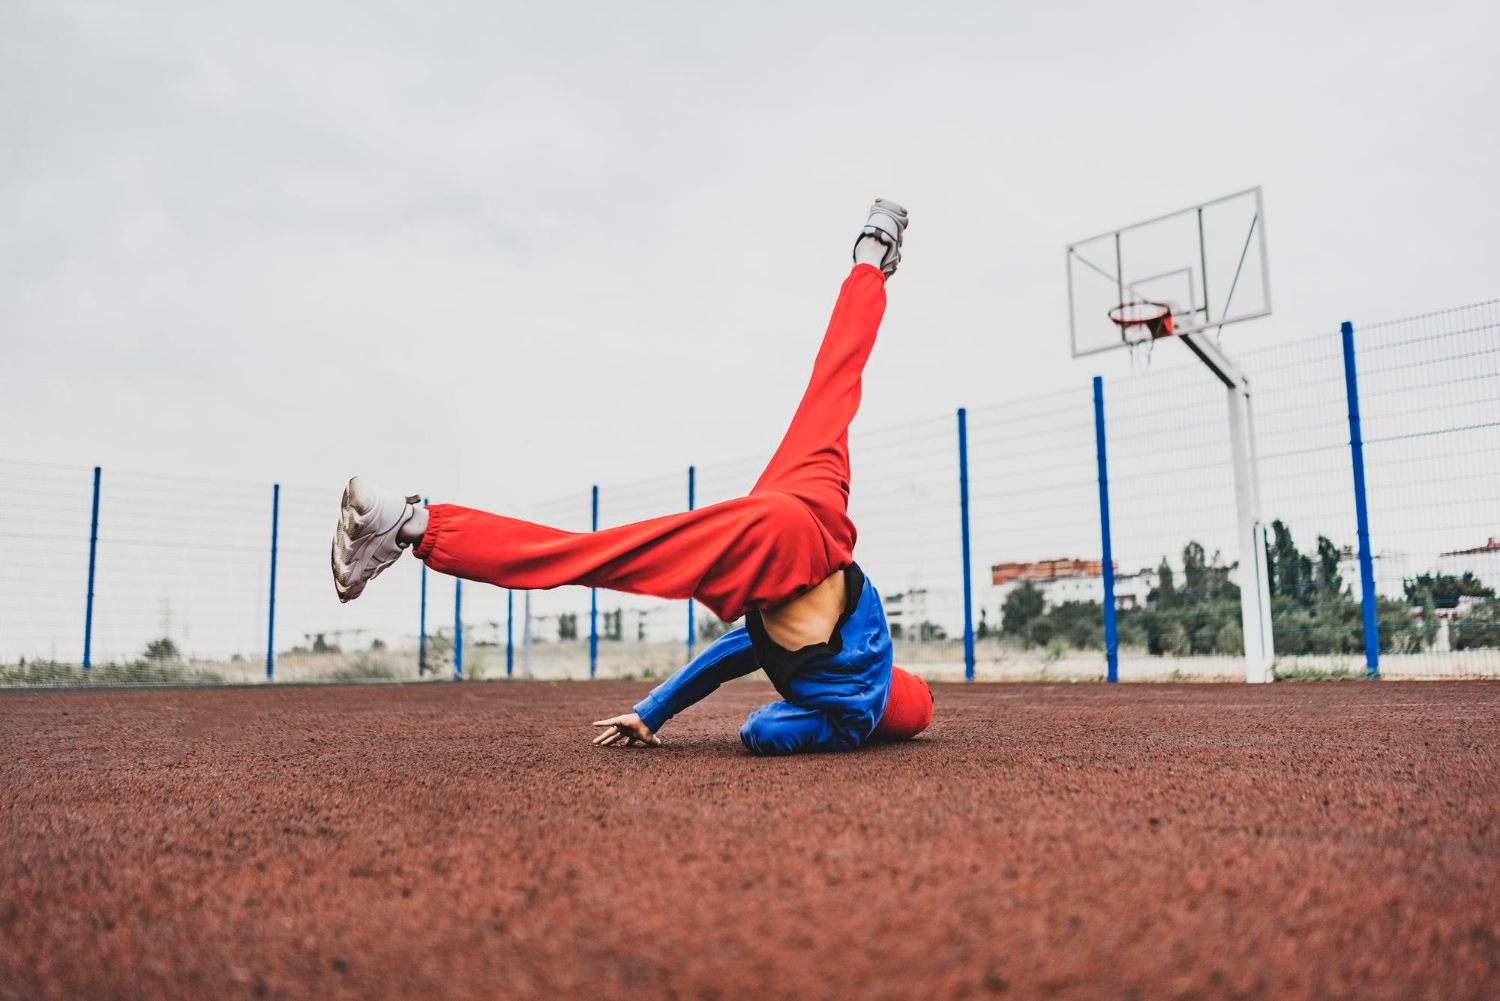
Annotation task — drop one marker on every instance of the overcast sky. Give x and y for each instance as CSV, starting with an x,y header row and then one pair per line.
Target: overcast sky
x,y
493,252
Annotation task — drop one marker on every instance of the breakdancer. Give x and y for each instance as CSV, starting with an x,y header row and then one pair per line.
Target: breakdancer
x,y
782,557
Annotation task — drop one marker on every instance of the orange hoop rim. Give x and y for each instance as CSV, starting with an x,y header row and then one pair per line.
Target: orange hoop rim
x,y
1155,321
1124,322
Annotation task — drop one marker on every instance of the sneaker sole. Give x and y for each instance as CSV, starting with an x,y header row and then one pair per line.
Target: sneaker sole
x,y
348,517
343,532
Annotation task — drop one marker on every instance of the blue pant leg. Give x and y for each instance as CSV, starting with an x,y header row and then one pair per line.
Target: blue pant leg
x,y
782,728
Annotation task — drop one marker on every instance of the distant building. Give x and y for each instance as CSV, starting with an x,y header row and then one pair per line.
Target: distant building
x,y
1004,573
1390,569
1481,561
1066,580
906,610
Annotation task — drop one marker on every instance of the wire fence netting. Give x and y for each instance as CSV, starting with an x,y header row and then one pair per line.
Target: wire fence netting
x,y
174,585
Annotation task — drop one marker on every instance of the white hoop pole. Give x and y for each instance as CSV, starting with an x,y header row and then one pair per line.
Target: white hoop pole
x,y
1255,582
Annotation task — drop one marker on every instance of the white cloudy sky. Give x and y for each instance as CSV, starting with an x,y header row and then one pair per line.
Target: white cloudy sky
x,y
493,251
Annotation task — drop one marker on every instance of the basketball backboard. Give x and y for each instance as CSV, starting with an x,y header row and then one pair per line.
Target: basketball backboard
x,y
1207,263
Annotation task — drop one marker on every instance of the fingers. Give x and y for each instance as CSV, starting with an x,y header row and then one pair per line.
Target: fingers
x,y
612,721
617,736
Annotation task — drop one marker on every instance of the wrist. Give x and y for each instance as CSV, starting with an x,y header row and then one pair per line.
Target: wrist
x,y
652,713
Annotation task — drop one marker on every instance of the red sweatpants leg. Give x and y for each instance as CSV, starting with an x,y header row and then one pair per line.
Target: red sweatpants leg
x,y
787,536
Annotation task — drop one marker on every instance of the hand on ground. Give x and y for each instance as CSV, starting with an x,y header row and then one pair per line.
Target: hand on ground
x,y
625,731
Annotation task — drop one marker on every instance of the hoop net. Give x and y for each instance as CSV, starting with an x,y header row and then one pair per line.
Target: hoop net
x,y
1142,320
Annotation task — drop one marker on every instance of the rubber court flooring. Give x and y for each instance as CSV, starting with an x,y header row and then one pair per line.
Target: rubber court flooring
x,y
1136,841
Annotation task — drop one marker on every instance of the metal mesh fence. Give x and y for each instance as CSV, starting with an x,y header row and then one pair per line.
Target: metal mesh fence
x,y
1035,538
1176,533
44,553
1430,396
1172,495
633,636
1302,430
181,567
904,501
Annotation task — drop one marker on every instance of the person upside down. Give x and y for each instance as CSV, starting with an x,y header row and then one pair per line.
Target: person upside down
x,y
782,557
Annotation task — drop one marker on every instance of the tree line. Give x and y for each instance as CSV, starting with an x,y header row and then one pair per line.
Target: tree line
x,y
1313,609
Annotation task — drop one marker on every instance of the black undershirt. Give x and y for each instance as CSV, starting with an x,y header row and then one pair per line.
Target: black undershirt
x,y
781,664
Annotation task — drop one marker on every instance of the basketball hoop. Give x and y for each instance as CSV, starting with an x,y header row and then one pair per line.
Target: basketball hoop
x,y
1142,320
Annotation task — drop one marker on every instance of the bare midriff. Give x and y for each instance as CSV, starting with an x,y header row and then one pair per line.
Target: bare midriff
x,y
808,618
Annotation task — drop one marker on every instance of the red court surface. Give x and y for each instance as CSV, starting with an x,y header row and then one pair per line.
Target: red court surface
x,y
1143,841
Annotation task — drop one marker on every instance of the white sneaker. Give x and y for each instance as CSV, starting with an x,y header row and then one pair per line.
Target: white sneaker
x,y
887,223
364,542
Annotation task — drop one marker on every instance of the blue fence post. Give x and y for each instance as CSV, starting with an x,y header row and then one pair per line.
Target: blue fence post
x,y
1361,512
458,629
510,615
594,598
271,614
88,615
1111,631
963,504
422,624
692,629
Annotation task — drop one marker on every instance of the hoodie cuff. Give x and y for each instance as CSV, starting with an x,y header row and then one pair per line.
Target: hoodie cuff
x,y
652,713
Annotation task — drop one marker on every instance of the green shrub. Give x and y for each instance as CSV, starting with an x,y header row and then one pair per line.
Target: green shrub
x,y
1299,672
136,672
153,672
364,668
42,672
1477,628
